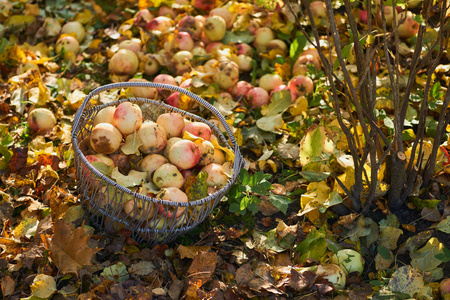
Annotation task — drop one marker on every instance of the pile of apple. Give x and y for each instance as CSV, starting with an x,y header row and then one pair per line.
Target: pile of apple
x,y
168,150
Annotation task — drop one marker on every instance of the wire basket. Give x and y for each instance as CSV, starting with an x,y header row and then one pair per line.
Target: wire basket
x,y
104,198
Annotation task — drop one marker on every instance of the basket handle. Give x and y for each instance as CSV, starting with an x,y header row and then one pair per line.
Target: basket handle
x,y
238,160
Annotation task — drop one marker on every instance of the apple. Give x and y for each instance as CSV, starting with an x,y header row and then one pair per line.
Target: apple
x,y
151,65
241,88
407,26
205,5
214,46
245,63
175,195
301,65
74,28
51,25
388,15
166,12
169,144
161,24
444,287
101,159
168,175
150,163
282,88
142,17
181,62
258,97
206,153
105,115
41,120
199,129
219,157
192,25
186,84
226,75
122,162
69,44
134,45
349,260
153,137
270,81
225,14
215,28
184,154
124,62
199,51
313,52
301,85
138,209
174,99
164,79
318,9
127,117
276,44
244,49
184,41
173,124
142,92
105,138
263,36
211,65
216,176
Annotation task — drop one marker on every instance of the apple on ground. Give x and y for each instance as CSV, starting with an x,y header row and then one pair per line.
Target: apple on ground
x,y
407,26
161,24
227,74
175,195
127,117
74,28
444,287
258,97
150,163
164,79
204,5
263,36
301,85
124,62
134,45
142,92
241,88
70,45
270,81
181,62
192,25
142,17
41,120
151,65
184,154
168,175
173,124
215,28
153,137
199,129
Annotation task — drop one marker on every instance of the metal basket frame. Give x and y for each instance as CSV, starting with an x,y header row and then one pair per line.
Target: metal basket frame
x,y
105,198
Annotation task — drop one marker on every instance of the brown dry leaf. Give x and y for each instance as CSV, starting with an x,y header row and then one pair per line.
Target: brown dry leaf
x,y
191,251
244,275
301,281
202,268
430,214
8,286
19,159
68,248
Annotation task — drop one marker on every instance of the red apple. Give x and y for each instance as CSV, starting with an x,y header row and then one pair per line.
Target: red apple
x,y
407,26
184,154
124,62
184,41
192,25
127,117
199,129
205,5
444,287
142,17
301,85
258,97
161,24
270,81
241,88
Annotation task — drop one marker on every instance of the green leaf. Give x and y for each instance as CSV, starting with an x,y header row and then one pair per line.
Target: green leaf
x,y
297,46
234,207
280,202
314,245
279,102
7,141
262,187
102,168
388,123
244,177
238,37
384,252
435,89
333,199
445,256
117,272
444,225
425,258
314,176
314,144
376,283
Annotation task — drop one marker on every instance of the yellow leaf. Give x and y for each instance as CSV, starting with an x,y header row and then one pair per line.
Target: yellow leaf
x,y
228,152
348,179
299,107
316,194
31,10
84,17
95,43
20,21
284,70
43,286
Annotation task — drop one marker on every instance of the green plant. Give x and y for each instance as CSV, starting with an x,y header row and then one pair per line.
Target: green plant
x,y
243,195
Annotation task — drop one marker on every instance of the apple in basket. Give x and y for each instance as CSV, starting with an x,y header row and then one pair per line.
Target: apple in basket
x,y
105,138
139,210
175,195
216,175
127,118
150,163
184,154
153,137
105,115
173,124
168,175
198,129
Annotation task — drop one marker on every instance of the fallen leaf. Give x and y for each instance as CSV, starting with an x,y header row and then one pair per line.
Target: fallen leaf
x,y
389,237
202,268
134,178
8,286
142,268
303,280
117,272
406,280
314,144
68,248
43,286
425,258
444,225
191,251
